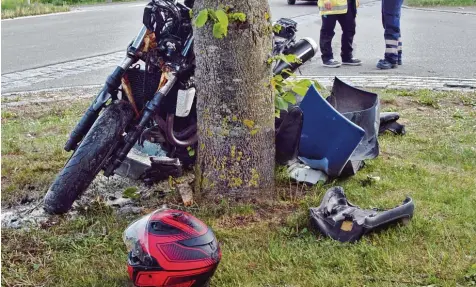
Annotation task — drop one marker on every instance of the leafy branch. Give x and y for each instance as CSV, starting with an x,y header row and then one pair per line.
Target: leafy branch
x,y
277,28
288,59
287,89
221,20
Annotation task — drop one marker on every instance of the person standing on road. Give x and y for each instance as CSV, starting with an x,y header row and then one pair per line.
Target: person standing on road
x,y
344,12
393,43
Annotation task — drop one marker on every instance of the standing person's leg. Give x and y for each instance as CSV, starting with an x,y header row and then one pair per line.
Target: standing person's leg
x,y
400,50
325,40
391,22
347,22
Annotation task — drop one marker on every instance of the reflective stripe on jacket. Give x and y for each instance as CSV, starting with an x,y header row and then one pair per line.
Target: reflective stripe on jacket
x,y
338,7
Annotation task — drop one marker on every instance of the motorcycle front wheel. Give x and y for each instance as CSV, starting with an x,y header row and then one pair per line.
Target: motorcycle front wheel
x,y
89,157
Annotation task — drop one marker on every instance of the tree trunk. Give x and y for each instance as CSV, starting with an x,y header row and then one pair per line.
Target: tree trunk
x,y
235,103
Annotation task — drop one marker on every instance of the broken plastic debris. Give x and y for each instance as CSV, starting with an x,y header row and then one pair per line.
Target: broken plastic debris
x,y
303,173
340,220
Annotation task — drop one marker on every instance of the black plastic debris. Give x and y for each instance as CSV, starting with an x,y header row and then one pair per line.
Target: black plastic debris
x,y
340,220
162,168
388,122
362,108
288,134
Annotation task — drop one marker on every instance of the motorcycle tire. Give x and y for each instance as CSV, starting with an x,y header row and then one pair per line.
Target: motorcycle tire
x,y
88,158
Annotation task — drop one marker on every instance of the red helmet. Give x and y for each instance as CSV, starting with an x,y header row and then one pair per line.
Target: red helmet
x,y
171,248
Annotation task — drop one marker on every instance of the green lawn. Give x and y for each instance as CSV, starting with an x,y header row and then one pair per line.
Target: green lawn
x,y
269,244
19,8
419,3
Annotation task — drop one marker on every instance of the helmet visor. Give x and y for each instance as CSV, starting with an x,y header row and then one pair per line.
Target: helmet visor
x,y
135,237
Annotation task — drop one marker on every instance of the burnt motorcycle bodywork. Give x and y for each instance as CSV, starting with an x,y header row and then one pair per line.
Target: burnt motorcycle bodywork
x,y
340,220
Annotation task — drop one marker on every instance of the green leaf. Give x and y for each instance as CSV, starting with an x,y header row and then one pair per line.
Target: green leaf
x,y
318,85
304,82
219,30
282,58
130,192
280,103
191,151
278,78
300,90
222,18
277,28
277,114
253,132
291,58
212,14
289,97
202,18
190,13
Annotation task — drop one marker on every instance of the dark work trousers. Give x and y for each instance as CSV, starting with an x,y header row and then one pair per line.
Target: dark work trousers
x,y
347,23
391,23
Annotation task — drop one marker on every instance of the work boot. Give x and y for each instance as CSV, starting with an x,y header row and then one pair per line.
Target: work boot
x,y
352,62
385,65
331,63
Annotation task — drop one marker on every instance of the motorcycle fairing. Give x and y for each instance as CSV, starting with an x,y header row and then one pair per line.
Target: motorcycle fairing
x,y
362,108
327,136
340,220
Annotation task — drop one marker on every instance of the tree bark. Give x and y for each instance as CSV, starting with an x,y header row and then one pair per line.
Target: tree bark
x,y
235,103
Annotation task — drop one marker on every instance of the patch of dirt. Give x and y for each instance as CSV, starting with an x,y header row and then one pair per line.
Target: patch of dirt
x,y
48,96
274,213
107,191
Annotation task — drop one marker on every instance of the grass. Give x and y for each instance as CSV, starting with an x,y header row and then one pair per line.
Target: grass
x,y
421,3
19,8
270,244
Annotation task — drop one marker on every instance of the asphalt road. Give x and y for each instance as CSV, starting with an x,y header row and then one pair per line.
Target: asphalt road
x,y
436,44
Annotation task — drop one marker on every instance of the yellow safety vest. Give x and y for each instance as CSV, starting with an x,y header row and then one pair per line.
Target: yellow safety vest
x,y
338,7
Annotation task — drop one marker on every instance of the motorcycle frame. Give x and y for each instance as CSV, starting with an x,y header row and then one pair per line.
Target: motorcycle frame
x,y
110,92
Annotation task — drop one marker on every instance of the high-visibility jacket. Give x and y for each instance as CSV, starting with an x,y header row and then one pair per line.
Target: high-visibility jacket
x,y
338,7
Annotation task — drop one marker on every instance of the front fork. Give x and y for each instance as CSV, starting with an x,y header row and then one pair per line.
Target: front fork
x,y
131,138
112,84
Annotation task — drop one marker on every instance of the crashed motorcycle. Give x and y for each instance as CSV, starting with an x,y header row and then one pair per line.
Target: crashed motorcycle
x,y
149,98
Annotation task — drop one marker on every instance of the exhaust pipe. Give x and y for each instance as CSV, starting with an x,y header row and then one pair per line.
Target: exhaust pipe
x,y
304,49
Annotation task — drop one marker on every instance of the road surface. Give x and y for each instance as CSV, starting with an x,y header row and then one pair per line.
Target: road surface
x,y
83,46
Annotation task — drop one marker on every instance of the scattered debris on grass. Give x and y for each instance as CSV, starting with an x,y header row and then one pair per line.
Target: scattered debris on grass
x,y
115,192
